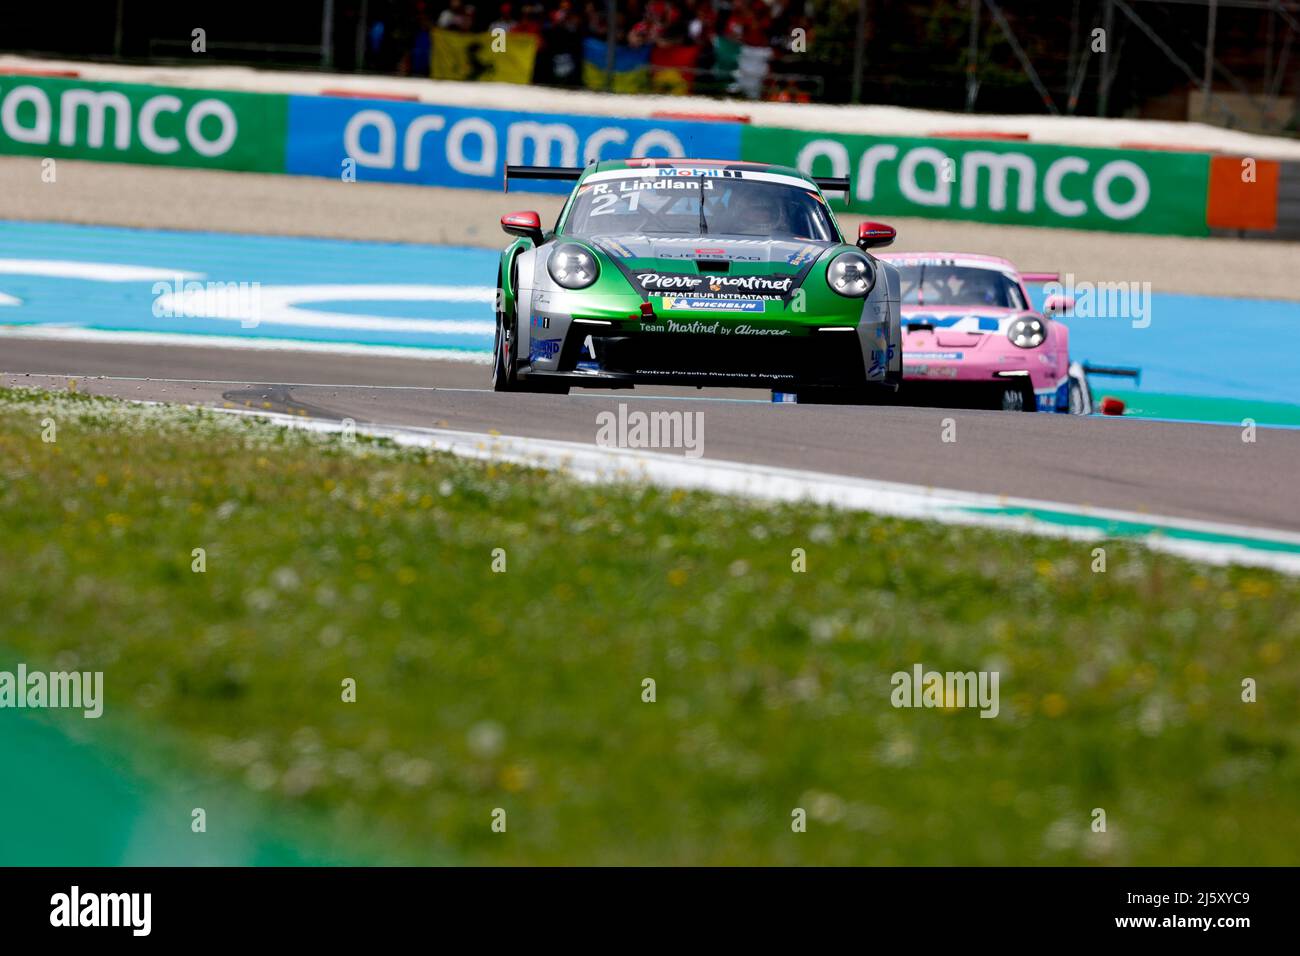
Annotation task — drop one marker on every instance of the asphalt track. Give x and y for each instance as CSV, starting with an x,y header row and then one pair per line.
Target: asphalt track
x,y
1174,469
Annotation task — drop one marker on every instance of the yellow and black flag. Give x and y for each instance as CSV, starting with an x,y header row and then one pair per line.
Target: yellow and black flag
x,y
491,57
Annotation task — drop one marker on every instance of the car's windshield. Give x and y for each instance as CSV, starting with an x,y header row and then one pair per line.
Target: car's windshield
x,y
670,206
938,284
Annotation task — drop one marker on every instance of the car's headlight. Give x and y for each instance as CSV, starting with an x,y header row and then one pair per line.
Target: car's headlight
x,y
1027,333
572,266
851,274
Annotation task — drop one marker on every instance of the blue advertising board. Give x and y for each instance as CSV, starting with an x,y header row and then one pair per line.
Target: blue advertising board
x,y
434,145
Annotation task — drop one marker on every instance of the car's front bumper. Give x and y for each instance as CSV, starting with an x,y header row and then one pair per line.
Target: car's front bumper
x,y
773,350
610,357
975,370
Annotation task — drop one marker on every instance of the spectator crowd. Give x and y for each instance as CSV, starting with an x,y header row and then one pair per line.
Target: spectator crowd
x,y
702,41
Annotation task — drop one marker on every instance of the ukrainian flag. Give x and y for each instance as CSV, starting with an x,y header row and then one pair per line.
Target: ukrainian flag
x,y
631,67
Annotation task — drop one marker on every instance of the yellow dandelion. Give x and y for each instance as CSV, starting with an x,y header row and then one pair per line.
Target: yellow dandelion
x,y
1271,652
516,778
1144,675
1053,705
1195,672
1255,588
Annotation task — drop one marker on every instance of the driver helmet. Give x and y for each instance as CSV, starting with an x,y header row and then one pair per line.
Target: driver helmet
x,y
755,211
983,287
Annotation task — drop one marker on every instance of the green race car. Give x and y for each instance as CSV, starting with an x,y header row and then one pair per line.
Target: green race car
x,y
695,272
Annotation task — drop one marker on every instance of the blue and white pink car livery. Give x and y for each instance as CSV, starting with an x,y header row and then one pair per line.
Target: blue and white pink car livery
x,y
972,338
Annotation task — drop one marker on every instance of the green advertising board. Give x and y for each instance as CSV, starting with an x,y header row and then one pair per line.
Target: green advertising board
x,y
1116,190
132,123
1113,190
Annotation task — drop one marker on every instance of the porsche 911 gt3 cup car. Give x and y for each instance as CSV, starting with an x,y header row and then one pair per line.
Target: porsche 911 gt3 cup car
x,y
695,272
971,337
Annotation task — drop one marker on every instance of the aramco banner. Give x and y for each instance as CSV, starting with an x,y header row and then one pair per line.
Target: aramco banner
x,y
1006,182
134,123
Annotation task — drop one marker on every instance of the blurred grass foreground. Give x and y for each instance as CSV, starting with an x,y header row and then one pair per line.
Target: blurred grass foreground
x,y
392,655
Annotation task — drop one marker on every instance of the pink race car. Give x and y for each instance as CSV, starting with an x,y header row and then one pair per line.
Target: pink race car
x,y
971,338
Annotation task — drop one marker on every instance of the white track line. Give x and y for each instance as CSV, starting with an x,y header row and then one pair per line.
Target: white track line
x,y
591,463
71,334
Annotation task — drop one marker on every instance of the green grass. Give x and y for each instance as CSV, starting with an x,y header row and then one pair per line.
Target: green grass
x,y
522,690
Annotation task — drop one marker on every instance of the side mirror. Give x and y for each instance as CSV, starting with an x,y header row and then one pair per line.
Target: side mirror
x,y
872,235
1058,304
526,224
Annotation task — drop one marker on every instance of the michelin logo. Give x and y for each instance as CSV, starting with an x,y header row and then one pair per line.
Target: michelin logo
x,y
712,305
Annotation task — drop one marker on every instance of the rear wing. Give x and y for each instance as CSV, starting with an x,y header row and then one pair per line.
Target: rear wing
x,y
562,173
830,184
1116,370
833,184
1041,276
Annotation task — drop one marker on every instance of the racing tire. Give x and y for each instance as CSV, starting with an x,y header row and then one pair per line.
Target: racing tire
x,y
504,376
505,361
1080,403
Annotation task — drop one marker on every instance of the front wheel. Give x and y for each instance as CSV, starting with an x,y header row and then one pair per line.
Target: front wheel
x,y
505,365
1080,400
1079,391
504,376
